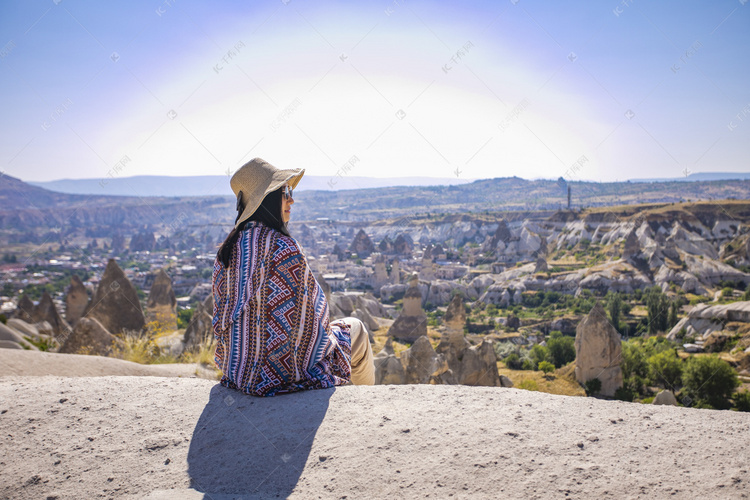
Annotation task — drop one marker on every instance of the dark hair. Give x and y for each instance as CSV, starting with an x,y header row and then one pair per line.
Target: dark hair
x,y
268,213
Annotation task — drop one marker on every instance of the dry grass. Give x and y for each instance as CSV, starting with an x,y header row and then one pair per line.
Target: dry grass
x,y
562,381
141,349
204,355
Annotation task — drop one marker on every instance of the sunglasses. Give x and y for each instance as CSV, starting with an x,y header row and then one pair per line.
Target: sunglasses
x,y
288,192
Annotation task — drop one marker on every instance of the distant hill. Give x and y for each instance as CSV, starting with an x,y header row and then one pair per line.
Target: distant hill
x,y
700,176
212,185
24,206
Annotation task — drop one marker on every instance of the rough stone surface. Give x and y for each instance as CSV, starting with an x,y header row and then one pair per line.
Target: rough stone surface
x,y
76,300
665,398
90,337
9,344
505,381
10,335
421,362
704,319
23,327
180,438
115,304
469,365
598,351
388,367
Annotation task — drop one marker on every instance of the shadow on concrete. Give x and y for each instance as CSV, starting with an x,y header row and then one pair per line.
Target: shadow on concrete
x,y
254,447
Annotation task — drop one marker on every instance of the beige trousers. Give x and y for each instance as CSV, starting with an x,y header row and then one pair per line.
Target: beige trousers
x,y
363,366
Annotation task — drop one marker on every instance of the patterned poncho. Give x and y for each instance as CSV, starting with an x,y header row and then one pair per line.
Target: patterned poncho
x,y
271,320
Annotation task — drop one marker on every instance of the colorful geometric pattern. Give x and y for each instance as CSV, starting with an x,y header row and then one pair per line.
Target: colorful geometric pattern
x,y
271,320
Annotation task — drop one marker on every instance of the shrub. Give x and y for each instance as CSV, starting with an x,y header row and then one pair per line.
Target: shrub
x,y
3,319
513,361
562,349
665,369
538,354
546,367
742,401
527,365
710,380
184,316
593,386
624,393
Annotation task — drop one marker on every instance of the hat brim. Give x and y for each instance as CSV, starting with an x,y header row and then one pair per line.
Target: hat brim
x,y
290,176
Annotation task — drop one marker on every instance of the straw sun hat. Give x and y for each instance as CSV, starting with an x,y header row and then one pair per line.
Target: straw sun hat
x,y
255,179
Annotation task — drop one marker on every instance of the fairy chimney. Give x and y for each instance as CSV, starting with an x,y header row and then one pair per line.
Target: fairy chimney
x,y
76,300
598,351
412,322
162,303
115,303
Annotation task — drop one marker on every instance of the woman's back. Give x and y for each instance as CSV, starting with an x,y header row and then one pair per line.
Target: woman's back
x,y
271,319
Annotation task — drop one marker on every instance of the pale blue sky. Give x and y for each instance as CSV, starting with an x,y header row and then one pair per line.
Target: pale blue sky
x,y
599,91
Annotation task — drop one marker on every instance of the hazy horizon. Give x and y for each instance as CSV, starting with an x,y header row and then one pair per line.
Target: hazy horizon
x,y
596,92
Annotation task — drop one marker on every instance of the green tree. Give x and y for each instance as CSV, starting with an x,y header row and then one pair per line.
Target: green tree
x,y
665,369
657,308
546,367
562,349
710,380
634,370
672,320
538,354
614,306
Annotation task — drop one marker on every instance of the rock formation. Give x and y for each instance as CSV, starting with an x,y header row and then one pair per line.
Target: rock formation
x,y
91,337
46,310
421,362
412,322
395,276
388,367
665,397
115,304
469,365
162,304
703,319
25,310
632,246
142,242
598,351
454,321
200,328
403,244
541,265
500,238
381,274
10,336
362,245
76,300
